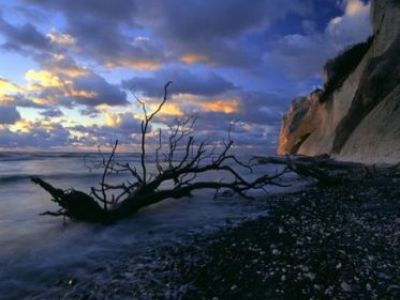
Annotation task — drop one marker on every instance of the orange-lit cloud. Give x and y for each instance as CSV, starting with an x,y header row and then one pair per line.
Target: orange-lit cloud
x,y
8,87
44,101
228,106
112,119
61,39
193,58
354,7
23,126
73,72
70,70
28,126
169,109
143,65
43,79
80,93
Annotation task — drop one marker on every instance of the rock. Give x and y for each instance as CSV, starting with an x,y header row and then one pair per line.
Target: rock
x,y
72,282
345,287
276,252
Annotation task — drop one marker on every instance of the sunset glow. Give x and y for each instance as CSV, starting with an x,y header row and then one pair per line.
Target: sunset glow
x,y
73,69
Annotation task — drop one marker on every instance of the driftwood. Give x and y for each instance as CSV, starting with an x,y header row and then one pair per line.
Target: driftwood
x,y
108,202
327,171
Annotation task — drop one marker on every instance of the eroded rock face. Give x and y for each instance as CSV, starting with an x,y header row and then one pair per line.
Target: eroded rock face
x,y
360,120
299,123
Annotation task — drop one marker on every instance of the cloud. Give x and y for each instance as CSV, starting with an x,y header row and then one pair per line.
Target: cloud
x,y
63,82
243,106
25,37
298,56
21,100
8,90
97,27
103,92
188,43
353,26
226,106
61,39
302,56
6,86
8,114
184,82
121,126
52,113
36,134
61,64
211,31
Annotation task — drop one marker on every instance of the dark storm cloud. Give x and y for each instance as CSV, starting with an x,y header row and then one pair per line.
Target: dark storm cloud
x,y
98,27
302,56
52,113
78,85
240,36
88,89
262,108
126,131
55,136
9,114
63,64
184,82
31,14
23,101
254,108
22,37
114,10
214,28
105,93
196,20
102,40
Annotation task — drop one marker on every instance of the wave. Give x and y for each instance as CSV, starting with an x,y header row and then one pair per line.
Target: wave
x,y
13,178
22,156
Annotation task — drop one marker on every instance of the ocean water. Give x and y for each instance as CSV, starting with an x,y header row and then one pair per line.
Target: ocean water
x,y
37,250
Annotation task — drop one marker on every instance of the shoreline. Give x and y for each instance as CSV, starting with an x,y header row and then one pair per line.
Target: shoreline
x,y
320,243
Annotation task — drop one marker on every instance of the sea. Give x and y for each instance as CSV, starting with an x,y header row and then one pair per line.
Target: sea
x,y
36,251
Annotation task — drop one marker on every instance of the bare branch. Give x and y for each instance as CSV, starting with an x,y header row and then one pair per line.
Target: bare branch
x,y
105,172
179,162
144,128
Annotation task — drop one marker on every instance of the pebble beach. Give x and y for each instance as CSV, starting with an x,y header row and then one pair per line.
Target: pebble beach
x,y
336,242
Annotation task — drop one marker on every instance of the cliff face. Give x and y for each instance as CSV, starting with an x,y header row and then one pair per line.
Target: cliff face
x,y
359,118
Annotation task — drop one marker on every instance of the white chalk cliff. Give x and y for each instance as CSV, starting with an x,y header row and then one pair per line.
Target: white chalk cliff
x,y
357,116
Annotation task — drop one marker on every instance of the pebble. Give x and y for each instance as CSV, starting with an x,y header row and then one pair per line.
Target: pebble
x,y
345,287
276,252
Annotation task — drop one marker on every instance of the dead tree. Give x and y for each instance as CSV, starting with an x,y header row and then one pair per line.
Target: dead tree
x,y
323,169
179,161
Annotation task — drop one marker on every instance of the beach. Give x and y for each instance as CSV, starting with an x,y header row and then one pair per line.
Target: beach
x,y
337,242
40,253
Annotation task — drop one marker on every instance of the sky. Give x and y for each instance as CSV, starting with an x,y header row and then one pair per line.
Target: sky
x,y
70,71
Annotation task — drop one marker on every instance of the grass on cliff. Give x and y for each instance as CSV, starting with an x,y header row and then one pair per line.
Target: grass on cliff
x,y
339,68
